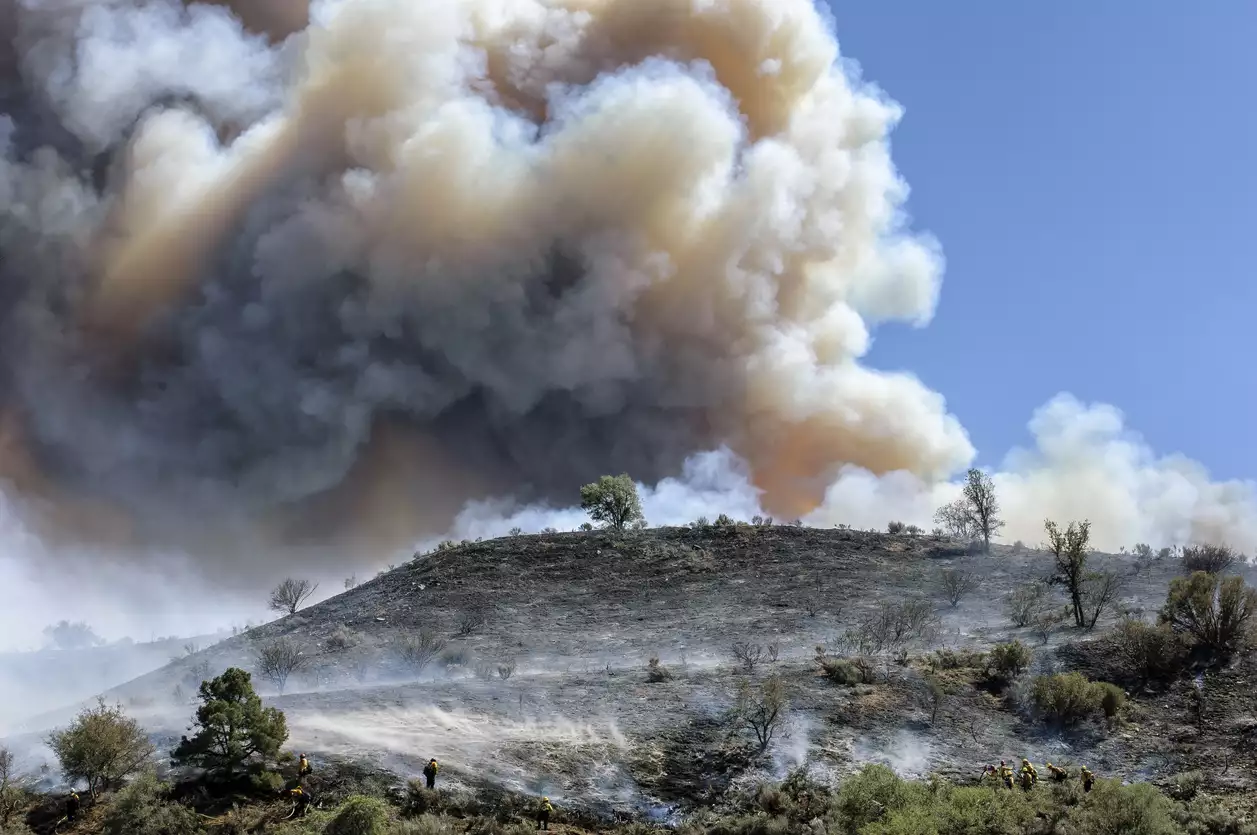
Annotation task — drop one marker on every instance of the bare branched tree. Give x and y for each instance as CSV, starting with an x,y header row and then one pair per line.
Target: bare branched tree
x,y
762,710
1211,559
288,596
958,584
984,510
415,652
278,659
1099,593
953,519
747,654
1070,549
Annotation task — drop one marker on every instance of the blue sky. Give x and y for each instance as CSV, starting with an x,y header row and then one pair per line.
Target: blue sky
x,y
1091,172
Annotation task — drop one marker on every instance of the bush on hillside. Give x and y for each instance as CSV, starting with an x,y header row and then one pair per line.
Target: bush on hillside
x,y
841,671
1067,698
1026,602
360,816
1148,653
1007,661
1112,699
656,673
896,527
1211,559
1214,613
142,808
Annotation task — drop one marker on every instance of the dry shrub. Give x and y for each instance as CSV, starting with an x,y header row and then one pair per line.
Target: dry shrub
x,y
1211,559
1149,653
957,584
1026,602
656,672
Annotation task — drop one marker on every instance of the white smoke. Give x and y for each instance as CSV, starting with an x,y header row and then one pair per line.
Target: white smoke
x,y
1085,464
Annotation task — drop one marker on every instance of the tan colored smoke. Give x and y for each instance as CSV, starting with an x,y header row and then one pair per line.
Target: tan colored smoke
x,y
555,235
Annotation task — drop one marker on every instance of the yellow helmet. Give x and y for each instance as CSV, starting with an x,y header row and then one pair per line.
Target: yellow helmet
x,y
546,799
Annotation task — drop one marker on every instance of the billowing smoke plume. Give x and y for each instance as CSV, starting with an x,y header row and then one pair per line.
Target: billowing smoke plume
x,y
311,278
417,253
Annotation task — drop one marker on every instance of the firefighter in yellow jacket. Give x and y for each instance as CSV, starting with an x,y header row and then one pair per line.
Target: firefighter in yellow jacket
x,y
543,814
1058,774
1088,779
1029,775
1005,774
429,772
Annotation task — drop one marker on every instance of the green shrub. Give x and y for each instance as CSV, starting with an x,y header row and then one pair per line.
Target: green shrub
x,y
1112,699
965,659
142,809
360,816
1205,816
1007,661
1065,697
1137,809
267,782
1185,786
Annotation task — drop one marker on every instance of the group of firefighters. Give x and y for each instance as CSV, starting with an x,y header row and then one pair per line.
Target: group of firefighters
x,y
1029,775
302,798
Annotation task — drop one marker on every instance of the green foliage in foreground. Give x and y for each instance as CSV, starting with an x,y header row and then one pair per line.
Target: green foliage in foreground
x,y
877,802
873,801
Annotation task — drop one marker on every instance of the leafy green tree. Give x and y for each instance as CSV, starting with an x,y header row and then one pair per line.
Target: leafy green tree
x,y
102,747
612,500
232,727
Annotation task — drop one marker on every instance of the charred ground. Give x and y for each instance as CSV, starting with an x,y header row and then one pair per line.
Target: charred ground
x,y
541,683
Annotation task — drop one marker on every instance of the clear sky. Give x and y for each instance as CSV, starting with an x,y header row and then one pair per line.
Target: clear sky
x,y
1090,167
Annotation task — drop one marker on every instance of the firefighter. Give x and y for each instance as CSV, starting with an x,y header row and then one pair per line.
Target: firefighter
x,y
543,814
72,805
989,771
1029,775
1059,775
1005,774
1088,779
429,772
303,766
302,799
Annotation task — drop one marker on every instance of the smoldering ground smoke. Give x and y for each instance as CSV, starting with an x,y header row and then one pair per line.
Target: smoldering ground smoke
x,y
340,282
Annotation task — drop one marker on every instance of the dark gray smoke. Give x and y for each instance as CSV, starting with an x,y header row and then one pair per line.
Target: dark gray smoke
x,y
324,283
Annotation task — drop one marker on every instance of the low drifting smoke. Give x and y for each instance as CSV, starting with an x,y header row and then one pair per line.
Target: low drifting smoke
x,y
290,281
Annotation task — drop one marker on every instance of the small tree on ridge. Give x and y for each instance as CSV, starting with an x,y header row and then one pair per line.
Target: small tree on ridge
x,y
612,500
288,596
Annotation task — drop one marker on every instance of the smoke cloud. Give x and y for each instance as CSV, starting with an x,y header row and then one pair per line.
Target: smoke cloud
x,y
304,280
443,248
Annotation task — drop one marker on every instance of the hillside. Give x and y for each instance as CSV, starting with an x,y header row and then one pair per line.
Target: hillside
x,y
578,616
